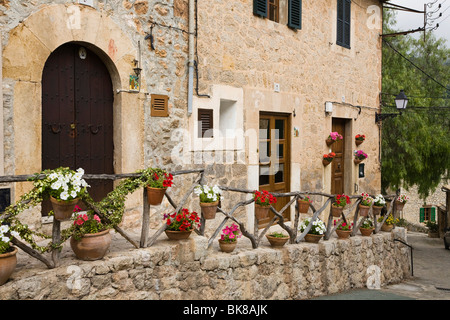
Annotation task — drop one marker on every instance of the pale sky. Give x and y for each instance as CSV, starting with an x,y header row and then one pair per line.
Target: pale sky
x,y
410,21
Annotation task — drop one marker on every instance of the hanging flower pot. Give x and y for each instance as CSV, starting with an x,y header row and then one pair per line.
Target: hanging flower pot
x,y
376,210
209,209
359,138
155,195
63,209
303,205
8,262
329,142
261,212
332,137
359,156
336,211
91,246
363,210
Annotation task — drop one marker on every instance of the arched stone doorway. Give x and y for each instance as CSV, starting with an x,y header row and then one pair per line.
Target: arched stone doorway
x,y
29,46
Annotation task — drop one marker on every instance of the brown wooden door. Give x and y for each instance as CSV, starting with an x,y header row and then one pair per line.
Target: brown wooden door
x,y
274,158
337,165
77,115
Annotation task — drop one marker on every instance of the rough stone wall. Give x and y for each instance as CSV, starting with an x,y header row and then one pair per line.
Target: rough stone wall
x,y
186,270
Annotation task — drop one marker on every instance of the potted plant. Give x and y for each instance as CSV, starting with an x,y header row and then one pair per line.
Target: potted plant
x,y
8,258
433,229
228,238
65,187
303,204
91,238
157,185
366,227
359,138
316,232
378,204
209,200
340,201
333,137
277,239
263,200
388,224
400,202
359,156
344,230
327,158
180,224
365,204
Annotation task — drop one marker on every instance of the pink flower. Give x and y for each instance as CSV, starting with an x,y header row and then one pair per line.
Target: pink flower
x,y
97,218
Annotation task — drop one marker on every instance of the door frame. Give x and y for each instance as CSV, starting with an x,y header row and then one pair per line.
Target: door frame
x,y
348,170
287,162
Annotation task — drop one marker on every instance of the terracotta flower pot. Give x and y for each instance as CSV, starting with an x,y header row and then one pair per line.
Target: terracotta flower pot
x,y
313,238
209,209
277,241
358,142
387,227
63,209
343,234
303,206
329,142
325,162
366,232
363,210
336,211
155,195
399,205
357,161
8,262
261,212
376,210
177,235
92,246
227,246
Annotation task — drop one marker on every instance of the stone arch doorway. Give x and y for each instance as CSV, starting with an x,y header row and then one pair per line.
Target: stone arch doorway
x,y
29,46
77,115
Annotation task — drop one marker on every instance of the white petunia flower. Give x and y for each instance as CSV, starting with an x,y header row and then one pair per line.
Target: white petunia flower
x,y
64,195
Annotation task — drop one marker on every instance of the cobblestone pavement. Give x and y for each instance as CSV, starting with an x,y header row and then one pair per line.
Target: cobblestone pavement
x,y
430,279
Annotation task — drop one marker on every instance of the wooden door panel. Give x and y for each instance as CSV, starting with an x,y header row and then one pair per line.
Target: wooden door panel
x,y
274,156
77,118
338,167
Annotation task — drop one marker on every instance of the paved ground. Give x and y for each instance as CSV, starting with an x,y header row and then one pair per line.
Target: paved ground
x,y
430,280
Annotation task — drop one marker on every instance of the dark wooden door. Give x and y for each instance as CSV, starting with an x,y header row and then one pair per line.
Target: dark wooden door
x,y
337,165
77,115
274,159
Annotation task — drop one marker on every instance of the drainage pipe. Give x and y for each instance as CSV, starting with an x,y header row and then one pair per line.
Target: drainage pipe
x,y
191,55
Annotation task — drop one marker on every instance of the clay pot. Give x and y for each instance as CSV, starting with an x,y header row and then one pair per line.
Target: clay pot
x,y
343,234
155,195
387,227
363,210
357,161
92,246
261,212
8,262
336,211
277,241
177,235
399,205
366,232
313,238
329,142
358,142
227,246
303,206
63,209
325,162
209,209
376,210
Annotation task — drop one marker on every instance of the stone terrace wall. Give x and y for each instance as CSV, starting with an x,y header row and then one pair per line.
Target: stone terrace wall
x,y
187,270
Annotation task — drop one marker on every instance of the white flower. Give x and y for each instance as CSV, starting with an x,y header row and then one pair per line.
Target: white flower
x,y
56,185
73,194
198,190
64,195
53,176
5,239
209,196
216,190
15,234
4,228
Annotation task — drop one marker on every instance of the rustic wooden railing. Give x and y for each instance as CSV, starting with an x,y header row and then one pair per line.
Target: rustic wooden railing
x,y
255,237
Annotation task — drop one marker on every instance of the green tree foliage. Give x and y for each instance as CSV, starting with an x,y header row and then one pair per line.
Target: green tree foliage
x,y
415,145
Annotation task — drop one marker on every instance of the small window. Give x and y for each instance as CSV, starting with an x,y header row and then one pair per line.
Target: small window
x,y
205,123
343,23
427,214
159,105
274,10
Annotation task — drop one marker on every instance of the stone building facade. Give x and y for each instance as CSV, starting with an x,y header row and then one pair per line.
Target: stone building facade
x,y
223,60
